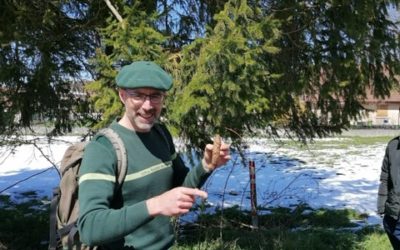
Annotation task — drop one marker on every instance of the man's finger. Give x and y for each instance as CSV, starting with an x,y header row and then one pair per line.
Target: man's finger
x,y
209,147
196,192
225,146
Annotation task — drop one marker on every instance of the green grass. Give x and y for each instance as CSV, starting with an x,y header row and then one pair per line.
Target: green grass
x,y
25,226
337,143
368,140
282,229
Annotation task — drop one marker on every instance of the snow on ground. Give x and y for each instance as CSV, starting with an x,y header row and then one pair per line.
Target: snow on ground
x,y
325,178
26,161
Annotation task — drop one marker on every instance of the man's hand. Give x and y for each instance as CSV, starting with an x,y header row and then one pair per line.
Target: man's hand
x,y
210,162
174,202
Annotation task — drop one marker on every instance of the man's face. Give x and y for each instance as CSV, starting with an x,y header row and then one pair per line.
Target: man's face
x,y
142,106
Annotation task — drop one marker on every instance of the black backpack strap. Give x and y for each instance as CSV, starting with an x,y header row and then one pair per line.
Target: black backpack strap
x,y
71,238
53,219
66,229
120,151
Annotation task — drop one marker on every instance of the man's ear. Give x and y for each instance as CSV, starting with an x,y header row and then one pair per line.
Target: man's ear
x,y
122,95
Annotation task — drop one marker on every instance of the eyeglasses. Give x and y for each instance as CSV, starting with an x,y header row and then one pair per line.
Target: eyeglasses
x,y
155,98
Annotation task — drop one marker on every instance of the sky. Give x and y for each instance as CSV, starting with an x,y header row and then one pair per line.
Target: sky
x,y
329,177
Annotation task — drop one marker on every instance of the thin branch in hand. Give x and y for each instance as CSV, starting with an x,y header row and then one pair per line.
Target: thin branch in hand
x,y
114,11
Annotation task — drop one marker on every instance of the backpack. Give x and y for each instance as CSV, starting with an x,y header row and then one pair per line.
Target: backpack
x,y
64,208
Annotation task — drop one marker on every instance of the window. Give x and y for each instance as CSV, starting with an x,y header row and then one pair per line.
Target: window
x,y
382,110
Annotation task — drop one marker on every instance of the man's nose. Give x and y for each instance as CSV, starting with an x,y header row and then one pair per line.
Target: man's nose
x,y
147,103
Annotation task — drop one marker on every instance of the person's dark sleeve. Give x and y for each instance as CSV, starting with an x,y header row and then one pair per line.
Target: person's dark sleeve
x,y
384,183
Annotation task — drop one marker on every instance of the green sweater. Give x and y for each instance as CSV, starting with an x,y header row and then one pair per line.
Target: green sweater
x,y
120,220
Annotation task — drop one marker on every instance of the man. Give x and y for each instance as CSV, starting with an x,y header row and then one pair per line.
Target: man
x,y
389,192
157,185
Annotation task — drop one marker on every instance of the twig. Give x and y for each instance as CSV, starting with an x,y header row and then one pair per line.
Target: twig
x,y
114,11
53,165
248,182
223,196
279,195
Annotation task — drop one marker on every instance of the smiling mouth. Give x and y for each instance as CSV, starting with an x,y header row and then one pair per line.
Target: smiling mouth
x,y
147,117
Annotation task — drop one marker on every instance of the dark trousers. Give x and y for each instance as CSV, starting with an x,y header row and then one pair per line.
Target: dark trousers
x,y
392,229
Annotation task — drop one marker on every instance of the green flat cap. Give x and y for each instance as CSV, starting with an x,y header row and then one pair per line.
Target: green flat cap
x,y
143,74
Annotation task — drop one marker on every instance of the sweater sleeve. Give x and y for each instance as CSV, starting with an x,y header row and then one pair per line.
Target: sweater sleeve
x,y
383,186
98,222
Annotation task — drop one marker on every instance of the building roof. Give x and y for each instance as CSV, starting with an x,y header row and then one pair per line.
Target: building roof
x,y
393,98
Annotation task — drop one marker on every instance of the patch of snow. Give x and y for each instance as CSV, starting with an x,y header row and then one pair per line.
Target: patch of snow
x,y
323,178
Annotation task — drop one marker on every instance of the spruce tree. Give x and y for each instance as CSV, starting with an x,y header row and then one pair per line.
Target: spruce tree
x,y
133,39
224,79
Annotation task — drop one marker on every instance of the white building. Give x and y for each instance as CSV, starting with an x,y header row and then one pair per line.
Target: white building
x,y
381,112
